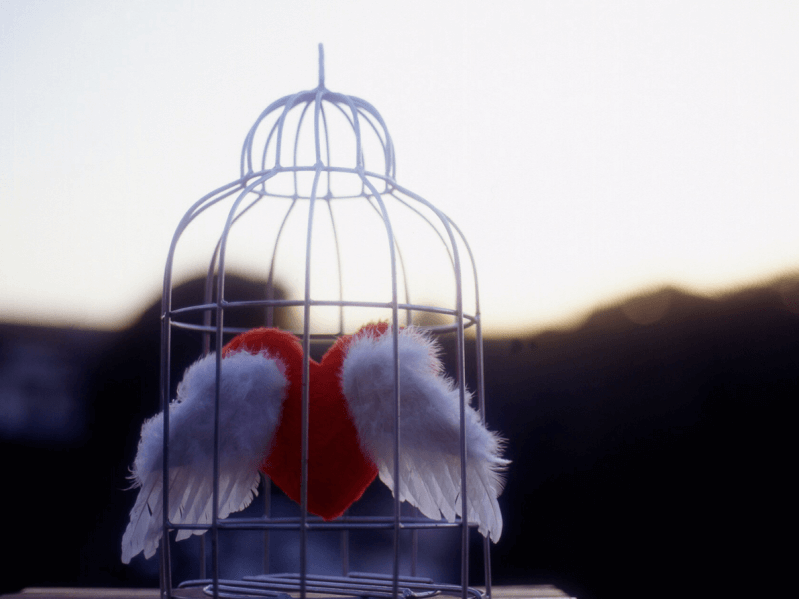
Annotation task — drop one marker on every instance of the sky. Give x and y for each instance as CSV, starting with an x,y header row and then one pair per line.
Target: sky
x,y
587,150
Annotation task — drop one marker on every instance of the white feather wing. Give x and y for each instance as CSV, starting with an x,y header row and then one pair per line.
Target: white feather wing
x,y
429,468
253,388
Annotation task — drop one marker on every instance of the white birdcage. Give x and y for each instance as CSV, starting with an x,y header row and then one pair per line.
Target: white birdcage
x,y
317,212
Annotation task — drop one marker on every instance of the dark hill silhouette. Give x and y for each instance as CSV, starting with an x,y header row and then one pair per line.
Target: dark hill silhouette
x,y
649,447
649,459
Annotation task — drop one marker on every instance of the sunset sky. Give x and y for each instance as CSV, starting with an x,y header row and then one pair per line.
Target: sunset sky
x,y
588,150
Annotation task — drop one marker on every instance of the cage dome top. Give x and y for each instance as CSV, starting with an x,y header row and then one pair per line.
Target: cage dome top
x,y
319,215
319,129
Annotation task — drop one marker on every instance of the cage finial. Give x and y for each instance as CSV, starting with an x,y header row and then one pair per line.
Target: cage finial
x,y
321,65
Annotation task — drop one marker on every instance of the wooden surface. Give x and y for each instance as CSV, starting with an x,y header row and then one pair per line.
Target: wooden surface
x,y
500,592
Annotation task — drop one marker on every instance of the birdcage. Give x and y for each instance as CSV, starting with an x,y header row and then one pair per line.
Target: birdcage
x,y
318,216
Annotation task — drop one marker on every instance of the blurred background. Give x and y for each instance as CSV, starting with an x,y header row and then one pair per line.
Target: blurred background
x,y
624,172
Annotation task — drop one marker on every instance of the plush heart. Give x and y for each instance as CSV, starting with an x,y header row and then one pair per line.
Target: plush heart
x,y
338,470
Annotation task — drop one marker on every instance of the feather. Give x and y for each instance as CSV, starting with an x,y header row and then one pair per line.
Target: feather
x,y
252,390
429,465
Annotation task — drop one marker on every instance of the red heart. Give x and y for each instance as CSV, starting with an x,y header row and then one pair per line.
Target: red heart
x,y
338,471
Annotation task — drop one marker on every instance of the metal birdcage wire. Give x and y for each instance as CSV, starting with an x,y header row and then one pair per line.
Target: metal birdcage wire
x,y
290,182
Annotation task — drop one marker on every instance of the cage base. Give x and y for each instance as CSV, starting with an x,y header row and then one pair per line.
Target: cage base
x,y
356,584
